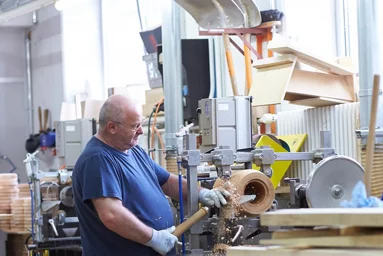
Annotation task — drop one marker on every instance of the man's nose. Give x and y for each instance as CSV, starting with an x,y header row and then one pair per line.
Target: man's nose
x,y
140,130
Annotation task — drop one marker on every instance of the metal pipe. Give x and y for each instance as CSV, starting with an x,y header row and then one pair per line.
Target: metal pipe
x,y
370,40
172,71
29,85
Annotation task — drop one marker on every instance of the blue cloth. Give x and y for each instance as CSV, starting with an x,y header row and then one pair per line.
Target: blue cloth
x,y
360,200
135,179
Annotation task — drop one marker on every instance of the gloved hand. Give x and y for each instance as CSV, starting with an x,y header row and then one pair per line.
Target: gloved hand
x,y
213,197
163,241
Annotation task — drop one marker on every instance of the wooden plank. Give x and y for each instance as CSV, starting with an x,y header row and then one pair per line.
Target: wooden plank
x,y
315,84
363,241
282,234
318,102
269,84
269,24
320,232
282,251
309,58
366,217
274,61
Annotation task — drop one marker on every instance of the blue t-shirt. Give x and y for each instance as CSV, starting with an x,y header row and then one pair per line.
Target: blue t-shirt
x,y
135,179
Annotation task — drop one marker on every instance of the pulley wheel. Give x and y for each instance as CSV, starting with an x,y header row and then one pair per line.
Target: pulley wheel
x,y
332,181
66,196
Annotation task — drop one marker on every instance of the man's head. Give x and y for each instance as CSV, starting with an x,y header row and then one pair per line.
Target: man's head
x,y
120,122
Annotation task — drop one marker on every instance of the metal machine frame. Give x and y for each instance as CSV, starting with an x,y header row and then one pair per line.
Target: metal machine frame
x,y
223,158
43,224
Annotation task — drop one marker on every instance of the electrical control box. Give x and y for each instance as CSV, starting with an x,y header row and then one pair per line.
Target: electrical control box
x,y
225,122
72,137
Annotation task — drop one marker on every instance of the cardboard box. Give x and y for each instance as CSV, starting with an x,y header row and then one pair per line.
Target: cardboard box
x,y
153,96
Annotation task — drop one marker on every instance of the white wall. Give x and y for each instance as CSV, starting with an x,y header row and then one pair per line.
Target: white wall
x,y
13,107
82,50
47,75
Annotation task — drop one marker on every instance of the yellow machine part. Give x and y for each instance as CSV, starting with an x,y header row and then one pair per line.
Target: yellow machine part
x,y
295,142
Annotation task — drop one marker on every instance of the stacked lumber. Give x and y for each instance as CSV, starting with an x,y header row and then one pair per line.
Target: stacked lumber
x,y
345,228
8,191
280,78
24,191
5,222
21,214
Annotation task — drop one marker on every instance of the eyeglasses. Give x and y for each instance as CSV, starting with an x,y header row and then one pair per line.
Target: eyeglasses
x,y
133,128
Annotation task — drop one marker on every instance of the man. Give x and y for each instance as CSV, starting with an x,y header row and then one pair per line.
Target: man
x,y
119,191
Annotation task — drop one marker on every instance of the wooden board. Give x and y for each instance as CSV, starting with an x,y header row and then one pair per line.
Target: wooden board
x,y
315,84
274,61
281,251
320,232
309,59
317,102
270,84
366,217
361,241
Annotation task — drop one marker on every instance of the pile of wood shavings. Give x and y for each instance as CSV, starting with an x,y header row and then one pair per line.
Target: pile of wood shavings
x,y
229,211
220,249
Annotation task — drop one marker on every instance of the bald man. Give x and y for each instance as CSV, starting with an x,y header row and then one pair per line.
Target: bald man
x,y
119,191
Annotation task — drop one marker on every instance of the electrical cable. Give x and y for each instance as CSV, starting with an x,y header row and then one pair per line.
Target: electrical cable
x,y
154,123
181,201
9,161
150,117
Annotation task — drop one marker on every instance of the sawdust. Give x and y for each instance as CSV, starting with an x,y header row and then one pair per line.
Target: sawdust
x,y
220,249
227,219
233,208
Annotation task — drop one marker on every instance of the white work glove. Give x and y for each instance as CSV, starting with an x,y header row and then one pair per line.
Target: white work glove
x,y
163,241
213,197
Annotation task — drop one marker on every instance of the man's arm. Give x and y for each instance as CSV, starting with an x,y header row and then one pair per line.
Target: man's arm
x,y
171,188
207,197
121,221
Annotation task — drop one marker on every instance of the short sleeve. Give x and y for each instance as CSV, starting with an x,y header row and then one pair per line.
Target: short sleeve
x,y
161,173
100,179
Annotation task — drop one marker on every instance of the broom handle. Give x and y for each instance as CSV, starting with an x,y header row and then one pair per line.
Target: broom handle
x,y
371,135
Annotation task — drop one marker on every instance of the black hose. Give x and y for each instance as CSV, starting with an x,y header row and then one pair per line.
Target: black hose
x,y
150,117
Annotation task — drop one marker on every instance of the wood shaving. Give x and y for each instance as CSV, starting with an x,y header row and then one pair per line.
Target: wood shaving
x,y
228,214
220,249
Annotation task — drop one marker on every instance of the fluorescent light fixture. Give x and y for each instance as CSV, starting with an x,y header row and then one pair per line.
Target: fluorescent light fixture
x,y
24,9
61,5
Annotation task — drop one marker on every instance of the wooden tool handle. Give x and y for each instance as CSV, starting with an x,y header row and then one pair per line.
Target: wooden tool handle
x,y
46,112
230,63
40,119
249,74
190,221
371,135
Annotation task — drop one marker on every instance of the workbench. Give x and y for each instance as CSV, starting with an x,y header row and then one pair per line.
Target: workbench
x,y
281,251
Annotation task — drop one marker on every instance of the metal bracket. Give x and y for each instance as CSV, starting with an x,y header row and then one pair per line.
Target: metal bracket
x,y
363,134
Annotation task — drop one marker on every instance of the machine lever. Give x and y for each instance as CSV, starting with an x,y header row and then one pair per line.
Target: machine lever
x,y
240,229
51,221
255,233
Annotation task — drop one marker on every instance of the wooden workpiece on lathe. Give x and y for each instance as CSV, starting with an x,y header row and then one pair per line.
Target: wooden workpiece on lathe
x,y
252,182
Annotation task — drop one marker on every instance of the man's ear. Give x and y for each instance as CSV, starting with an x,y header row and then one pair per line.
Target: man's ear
x,y
111,127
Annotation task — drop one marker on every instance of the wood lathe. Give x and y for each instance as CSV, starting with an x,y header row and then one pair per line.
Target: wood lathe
x,y
225,145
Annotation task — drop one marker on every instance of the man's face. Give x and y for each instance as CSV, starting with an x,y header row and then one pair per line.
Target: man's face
x,y
127,131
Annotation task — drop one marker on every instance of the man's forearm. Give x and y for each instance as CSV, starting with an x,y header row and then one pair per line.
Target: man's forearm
x,y
171,188
126,224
